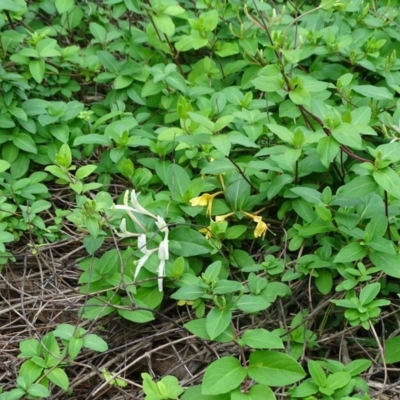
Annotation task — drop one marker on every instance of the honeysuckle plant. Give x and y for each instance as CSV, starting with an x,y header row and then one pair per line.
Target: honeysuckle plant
x,y
206,199
295,106
163,248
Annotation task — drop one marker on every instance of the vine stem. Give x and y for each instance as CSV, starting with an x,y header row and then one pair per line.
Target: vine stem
x,y
387,214
382,354
262,24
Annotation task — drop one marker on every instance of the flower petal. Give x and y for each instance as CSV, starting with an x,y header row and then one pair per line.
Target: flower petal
x,y
140,264
161,273
161,224
138,208
261,228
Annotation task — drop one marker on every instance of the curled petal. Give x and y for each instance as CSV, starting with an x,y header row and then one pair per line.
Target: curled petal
x,y
163,250
136,205
161,224
207,232
397,128
140,264
130,211
161,273
220,218
201,201
147,253
142,243
261,227
123,232
206,199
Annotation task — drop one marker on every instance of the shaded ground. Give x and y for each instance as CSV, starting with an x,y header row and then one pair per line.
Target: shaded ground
x,y
37,292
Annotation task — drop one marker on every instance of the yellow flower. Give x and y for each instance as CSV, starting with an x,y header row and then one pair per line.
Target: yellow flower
x,y
220,218
206,199
261,227
207,232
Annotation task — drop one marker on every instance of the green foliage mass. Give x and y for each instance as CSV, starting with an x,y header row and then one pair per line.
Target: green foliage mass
x,y
264,140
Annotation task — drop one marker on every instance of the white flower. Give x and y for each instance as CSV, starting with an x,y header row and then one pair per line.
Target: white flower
x,y
136,208
161,224
147,253
397,128
163,248
163,255
123,232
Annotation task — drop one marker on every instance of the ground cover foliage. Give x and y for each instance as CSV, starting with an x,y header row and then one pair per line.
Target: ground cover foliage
x,y
199,200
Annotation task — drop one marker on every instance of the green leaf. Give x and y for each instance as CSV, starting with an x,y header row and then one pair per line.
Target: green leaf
x,y
337,380
373,92
93,138
274,369
228,49
61,132
64,6
222,376
300,96
98,32
392,350
347,135
260,339
149,387
308,194
188,292
140,316
361,116
122,82
369,292
95,342
174,10
202,120
221,143
25,142
359,186
283,133
4,165
324,281
268,83
74,347
65,331
59,378
210,20
316,227
317,373
351,252
30,348
186,242
178,181
37,68
30,370
327,150
165,24
108,61
217,321
92,243
388,263
14,6
36,389
249,303
85,171
218,167
389,180
256,392
238,194
198,328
